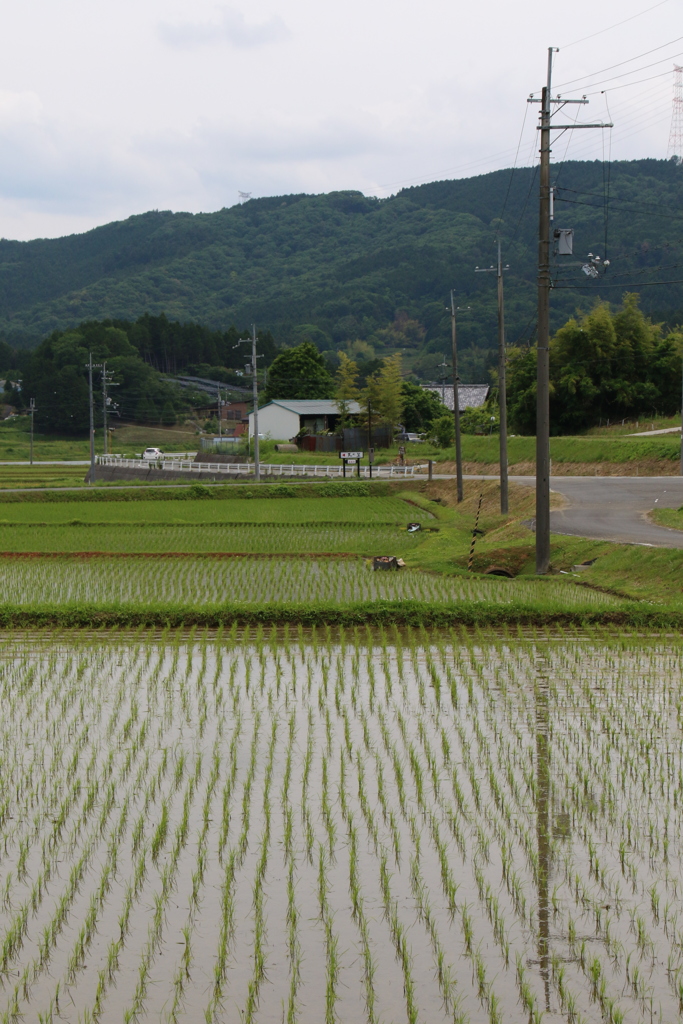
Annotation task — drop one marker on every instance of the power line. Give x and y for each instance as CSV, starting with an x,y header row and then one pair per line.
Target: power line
x,y
626,85
617,25
611,67
630,284
624,74
514,166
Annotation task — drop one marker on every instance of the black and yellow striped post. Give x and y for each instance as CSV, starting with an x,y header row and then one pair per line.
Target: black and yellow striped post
x,y
475,531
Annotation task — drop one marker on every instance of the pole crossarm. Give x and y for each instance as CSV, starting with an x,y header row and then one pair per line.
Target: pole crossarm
x,y
571,127
558,99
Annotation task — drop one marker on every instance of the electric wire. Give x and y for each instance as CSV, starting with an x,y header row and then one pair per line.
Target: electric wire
x,y
602,71
512,172
625,74
617,25
633,209
625,287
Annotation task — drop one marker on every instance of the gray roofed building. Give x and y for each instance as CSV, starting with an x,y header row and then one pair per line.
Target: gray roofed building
x,y
283,418
470,396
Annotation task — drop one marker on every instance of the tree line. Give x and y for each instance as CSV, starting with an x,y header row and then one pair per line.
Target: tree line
x,y
605,365
140,356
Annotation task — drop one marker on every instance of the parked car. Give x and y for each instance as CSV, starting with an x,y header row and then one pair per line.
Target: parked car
x,y
409,438
151,454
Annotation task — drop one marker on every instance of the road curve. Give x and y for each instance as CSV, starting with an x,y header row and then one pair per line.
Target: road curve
x,y
615,508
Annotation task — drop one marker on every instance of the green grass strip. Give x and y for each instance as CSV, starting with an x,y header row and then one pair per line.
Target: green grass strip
x,y
362,613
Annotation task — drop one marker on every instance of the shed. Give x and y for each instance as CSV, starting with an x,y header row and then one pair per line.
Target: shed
x,y
470,396
282,419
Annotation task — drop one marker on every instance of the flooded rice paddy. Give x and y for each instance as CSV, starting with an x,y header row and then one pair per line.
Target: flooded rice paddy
x,y
412,828
253,582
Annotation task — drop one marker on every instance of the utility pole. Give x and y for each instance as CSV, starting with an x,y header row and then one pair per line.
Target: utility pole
x,y
444,374
107,383
254,357
252,367
682,418
456,397
502,389
543,342
220,404
92,421
370,454
32,409
105,436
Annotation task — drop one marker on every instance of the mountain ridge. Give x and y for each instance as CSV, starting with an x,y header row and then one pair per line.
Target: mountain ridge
x,y
343,268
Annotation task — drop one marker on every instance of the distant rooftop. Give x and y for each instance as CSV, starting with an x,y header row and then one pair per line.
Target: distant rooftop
x,y
205,384
313,406
470,396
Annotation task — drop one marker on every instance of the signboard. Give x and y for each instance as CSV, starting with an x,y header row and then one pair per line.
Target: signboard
x,y
350,455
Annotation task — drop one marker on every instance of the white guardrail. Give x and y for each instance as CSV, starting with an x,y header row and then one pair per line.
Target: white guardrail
x,y
247,468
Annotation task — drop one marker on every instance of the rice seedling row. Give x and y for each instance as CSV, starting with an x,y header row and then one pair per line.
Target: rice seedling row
x,y
214,537
377,828
251,583
215,510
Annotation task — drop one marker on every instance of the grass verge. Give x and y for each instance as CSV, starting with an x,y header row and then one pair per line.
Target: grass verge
x,y
671,517
401,613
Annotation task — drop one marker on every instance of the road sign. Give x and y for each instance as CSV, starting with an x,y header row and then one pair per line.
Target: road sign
x,y
350,455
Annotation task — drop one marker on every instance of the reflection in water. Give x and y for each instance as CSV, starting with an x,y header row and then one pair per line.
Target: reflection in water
x,y
543,826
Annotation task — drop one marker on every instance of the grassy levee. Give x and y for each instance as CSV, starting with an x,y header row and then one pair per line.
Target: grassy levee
x,y
371,613
195,491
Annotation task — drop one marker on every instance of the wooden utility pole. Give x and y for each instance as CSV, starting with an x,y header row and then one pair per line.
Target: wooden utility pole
x,y
92,421
543,333
254,357
543,342
502,390
456,400
251,367
32,409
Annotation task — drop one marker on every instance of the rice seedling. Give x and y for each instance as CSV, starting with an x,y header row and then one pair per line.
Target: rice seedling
x,y
465,817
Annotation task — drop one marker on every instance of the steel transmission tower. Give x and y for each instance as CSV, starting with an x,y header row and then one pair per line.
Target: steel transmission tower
x,y
676,133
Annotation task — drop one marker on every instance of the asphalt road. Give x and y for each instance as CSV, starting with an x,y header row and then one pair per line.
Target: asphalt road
x,y
615,508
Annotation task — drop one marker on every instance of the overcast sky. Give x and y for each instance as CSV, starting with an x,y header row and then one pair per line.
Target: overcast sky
x,y
113,108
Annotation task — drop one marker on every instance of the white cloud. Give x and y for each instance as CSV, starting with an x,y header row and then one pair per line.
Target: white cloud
x,y
19,108
113,108
231,27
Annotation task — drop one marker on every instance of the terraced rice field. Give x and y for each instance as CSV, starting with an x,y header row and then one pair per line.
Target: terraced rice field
x,y
255,582
259,538
215,510
351,827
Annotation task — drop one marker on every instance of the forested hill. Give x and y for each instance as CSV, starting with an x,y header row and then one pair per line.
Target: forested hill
x,y
341,268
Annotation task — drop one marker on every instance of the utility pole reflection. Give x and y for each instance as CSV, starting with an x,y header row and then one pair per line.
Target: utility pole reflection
x,y
543,827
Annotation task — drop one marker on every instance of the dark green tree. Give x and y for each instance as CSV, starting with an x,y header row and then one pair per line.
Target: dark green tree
x,y
442,431
420,407
604,365
146,411
299,373
168,414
